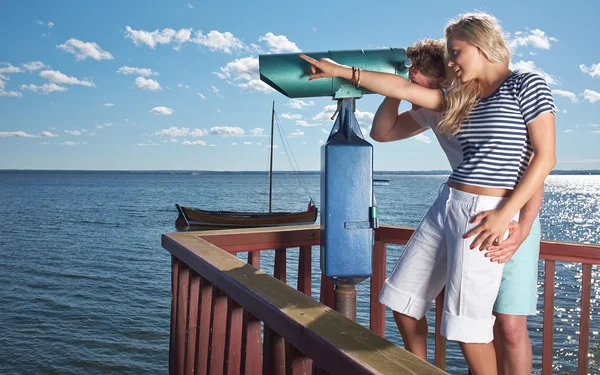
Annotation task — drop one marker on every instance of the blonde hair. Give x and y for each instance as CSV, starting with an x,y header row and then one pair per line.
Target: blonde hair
x,y
484,32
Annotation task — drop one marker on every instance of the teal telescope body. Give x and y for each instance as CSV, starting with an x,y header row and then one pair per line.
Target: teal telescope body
x,y
288,73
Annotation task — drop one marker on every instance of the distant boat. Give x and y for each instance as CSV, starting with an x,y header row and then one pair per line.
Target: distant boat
x,y
198,219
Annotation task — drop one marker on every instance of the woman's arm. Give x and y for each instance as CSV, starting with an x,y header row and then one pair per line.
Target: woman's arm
x,y
389,85
543,140
390,126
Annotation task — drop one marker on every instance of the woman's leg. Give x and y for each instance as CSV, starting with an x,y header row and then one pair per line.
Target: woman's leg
x,y
414,334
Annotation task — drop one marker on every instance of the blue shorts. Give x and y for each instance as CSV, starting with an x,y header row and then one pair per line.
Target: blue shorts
x,y
518,289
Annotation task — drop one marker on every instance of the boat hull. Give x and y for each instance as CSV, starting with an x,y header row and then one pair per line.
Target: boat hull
x,y
197,219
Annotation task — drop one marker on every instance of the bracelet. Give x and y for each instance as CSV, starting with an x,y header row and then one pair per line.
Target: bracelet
x,y
355,77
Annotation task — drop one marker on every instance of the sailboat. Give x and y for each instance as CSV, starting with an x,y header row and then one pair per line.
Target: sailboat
x,y
198,219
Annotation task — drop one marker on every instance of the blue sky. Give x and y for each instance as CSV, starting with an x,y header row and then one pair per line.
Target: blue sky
x,y
145,85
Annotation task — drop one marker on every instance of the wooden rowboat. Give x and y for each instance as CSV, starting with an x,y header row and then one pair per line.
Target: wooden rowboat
x,y
197,219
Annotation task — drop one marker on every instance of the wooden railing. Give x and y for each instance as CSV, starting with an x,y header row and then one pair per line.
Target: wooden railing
x,y
219,303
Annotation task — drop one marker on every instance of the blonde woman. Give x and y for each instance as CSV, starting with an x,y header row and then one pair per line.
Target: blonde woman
x,y
500,119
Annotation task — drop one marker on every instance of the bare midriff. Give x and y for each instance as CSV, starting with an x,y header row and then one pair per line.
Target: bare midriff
x,y
479,190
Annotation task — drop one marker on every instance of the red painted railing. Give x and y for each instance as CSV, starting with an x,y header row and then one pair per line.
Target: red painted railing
x,y
228,338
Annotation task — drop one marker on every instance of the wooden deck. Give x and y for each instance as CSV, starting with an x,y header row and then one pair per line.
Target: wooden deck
x,y
221,306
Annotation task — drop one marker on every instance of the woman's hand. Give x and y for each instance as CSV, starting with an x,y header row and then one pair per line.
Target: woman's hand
x,y
492,229
325,68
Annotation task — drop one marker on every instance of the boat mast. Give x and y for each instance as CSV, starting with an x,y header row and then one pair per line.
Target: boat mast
x,y
271,163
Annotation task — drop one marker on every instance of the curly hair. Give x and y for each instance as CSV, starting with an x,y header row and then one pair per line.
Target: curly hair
x,y
428,57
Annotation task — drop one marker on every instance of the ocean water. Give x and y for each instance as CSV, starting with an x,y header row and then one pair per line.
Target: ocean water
x,y
85,284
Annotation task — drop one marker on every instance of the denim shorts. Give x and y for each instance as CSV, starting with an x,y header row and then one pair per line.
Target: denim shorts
x,y
438,255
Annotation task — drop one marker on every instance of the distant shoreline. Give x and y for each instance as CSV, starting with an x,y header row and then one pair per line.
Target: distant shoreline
x,y
204,172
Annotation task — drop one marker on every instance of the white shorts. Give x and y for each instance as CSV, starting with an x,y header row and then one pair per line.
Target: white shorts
x,y
438,255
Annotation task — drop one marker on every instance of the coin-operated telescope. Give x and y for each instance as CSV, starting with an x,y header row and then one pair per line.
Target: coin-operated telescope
x,y
348,211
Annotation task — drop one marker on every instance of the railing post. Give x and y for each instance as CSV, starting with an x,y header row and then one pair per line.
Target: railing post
x,y
172,334
191,342
377,310
233,345
218,325
182,316
548,328
305,270
274,344
206,297
584,319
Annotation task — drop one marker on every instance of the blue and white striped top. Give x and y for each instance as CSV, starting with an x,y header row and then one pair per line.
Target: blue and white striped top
x,y
494,138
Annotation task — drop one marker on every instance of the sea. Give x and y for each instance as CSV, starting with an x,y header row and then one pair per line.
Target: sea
x,y
85,283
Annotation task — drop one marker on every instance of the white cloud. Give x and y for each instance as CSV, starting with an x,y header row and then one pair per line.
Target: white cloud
x,y
107,125
83,50
108,105
566,94
233,144
147,84
300,104
8,68
227,130
161,111
568,131
44,89
535,38
128,70
54,76
50,24
217,41
73,132
214,40
69,143
529,66
190,6
279,43
34,65
257,131
173,132
217,93
150,143
183,85
593,70
198,132
305,123
256,85
14,94
20,133
297,133
591,96
152,38
423,138
321,142
197,142
247,143
364,118
290,116
244,69
201,95
325,131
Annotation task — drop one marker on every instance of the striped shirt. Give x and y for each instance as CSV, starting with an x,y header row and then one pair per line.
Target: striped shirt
x,y
494,138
